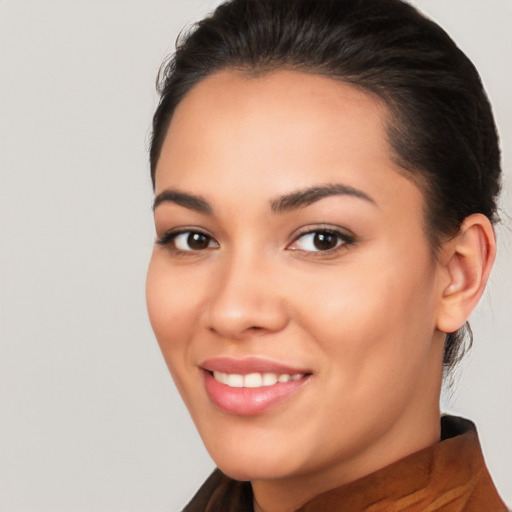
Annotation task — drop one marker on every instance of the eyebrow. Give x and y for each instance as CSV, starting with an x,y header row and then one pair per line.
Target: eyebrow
x,y
190,201
282,204
307,196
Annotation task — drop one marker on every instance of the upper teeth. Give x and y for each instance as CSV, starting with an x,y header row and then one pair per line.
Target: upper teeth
x,y
254,380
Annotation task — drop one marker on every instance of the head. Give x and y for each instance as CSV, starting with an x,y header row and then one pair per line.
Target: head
x,y
292,104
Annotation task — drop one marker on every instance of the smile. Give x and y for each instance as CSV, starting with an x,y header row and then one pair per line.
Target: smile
x,y
254,380
251,386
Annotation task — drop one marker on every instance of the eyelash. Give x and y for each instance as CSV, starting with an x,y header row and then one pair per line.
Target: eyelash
x,y
168,240
343,240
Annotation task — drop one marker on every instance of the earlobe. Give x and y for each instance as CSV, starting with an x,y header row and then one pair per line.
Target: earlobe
x,y
467,260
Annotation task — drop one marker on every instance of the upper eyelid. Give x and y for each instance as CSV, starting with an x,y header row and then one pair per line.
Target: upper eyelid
x,y
171,234
186,229
343,232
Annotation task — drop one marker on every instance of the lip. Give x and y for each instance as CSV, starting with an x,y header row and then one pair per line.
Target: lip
x,y
250,401
249,365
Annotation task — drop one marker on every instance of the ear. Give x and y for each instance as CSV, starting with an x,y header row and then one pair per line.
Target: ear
x,y
467,260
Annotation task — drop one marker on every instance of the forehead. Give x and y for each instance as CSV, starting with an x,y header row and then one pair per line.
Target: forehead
x,y
229,105
275,133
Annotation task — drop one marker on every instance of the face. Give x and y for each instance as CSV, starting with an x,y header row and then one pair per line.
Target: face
x,y
292,288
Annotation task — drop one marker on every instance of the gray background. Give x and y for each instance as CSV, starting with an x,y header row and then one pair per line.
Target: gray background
x,y
89,418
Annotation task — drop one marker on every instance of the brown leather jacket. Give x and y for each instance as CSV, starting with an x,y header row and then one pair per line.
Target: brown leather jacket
x,y
449,476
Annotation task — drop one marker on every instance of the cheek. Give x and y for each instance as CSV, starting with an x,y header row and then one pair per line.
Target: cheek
x,y
172,298
170,306
373,319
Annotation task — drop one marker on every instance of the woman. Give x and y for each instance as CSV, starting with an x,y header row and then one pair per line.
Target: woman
x,y
325,179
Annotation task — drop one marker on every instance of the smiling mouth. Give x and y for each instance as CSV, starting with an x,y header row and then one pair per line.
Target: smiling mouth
x,y
254,393
254,380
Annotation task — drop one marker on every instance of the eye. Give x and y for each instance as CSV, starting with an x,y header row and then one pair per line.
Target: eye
x,y
321,240
187,241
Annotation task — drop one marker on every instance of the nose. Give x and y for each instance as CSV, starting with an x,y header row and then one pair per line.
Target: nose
x,y
245,300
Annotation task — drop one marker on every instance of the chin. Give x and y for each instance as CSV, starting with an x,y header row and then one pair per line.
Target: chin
x,y
260,463
258,469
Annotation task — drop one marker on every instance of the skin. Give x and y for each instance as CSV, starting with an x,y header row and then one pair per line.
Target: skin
x,y
366,318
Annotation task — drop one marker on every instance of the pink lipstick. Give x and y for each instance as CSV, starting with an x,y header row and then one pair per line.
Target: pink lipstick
x,y
250,386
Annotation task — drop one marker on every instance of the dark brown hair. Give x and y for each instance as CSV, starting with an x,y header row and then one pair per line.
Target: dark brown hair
x,y
441,128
